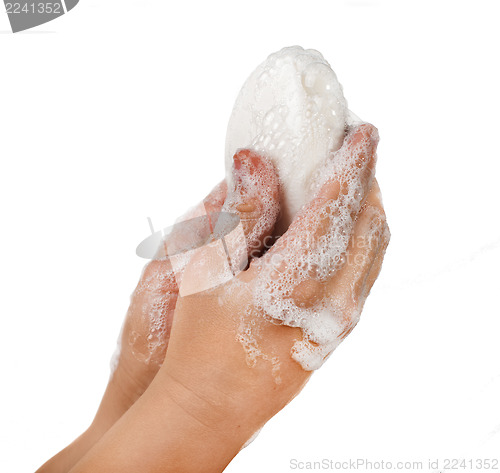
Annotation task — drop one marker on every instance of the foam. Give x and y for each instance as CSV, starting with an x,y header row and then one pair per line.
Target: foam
x,y
149,316
292,111
329,320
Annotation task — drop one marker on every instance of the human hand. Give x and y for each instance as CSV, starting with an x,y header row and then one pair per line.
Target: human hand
x,y
249,345
233,358
145,334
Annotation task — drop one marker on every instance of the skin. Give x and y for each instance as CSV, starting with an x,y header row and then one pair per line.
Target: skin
x,y
205,401
138,364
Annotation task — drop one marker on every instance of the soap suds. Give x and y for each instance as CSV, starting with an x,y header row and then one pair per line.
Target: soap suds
x,y
149,316
292,111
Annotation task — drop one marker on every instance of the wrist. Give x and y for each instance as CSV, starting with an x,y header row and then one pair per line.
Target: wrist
x,y
169,429
221,415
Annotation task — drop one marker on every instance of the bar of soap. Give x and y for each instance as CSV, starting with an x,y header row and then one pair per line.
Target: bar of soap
x,y
291,110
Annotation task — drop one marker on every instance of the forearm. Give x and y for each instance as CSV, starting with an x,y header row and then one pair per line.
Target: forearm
x,y
166,432
69,456
114,403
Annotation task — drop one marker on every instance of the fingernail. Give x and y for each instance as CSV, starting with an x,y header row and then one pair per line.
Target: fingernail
x,y
330,191
245,207
256,161
237,162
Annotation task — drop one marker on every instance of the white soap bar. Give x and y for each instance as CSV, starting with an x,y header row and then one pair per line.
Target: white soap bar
x,y
292,110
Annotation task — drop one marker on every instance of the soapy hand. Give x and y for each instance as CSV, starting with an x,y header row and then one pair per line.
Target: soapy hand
x,y
239,352
245,345
145,334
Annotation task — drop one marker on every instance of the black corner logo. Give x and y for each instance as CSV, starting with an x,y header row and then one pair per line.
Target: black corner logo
x,y
27,14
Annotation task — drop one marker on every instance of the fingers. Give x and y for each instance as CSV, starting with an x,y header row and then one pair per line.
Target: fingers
x,y
149,318
195,225
386,236
293,290
214,201
315,242
348,288
254,198
352,167
247,219
291,282
158,277
377,264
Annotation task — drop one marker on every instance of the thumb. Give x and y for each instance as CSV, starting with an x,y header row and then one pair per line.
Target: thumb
x,y
254,198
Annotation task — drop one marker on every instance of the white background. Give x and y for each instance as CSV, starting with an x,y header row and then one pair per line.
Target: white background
x,y
117,111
